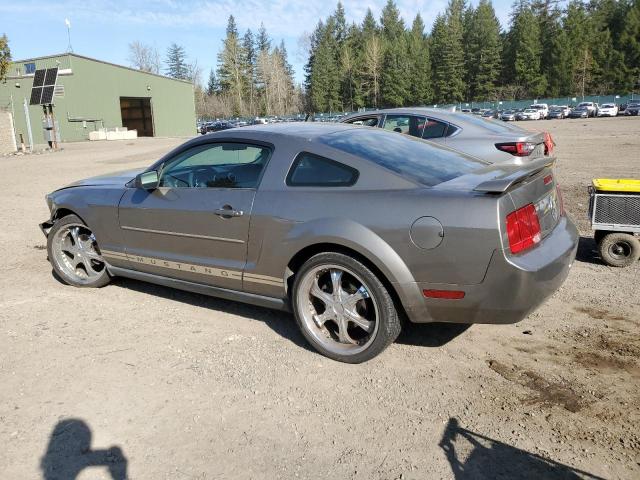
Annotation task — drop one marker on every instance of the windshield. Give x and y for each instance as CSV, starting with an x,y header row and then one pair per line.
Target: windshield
x,y
425,163
608,105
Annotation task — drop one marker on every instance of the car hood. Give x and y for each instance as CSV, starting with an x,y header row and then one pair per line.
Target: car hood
x,y
111,179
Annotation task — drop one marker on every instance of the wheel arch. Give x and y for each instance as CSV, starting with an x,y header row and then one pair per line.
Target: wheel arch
x,y
304,254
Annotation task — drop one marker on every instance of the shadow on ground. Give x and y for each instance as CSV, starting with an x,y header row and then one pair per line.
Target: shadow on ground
x,y
477,457
588,251
283,323
69,453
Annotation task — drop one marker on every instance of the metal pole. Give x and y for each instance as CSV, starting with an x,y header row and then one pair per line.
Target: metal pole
x,y
28,119
53,126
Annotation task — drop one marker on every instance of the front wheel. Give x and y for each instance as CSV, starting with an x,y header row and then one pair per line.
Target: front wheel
x,y
619,249
343,309
74,253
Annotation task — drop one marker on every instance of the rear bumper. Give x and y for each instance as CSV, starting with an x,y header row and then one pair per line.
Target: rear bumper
x,y
513,287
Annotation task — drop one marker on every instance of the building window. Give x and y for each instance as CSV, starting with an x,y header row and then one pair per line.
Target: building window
x,y
29,68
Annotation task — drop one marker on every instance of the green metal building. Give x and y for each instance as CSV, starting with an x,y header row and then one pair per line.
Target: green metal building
x,y
91,94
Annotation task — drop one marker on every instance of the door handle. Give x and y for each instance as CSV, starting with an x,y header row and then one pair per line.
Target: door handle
x,y
228,212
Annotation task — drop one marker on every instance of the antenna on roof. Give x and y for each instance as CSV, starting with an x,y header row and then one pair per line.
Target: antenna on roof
x,y
68,24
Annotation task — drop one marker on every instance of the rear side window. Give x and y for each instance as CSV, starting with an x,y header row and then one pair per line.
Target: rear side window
x,y
309,170
434,129
425,163
407,124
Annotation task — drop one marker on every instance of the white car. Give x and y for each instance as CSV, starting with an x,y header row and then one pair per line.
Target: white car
x,y
531,114
608,110
543,108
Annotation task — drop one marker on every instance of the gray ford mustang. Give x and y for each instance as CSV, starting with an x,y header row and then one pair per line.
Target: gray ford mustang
x,y
352,228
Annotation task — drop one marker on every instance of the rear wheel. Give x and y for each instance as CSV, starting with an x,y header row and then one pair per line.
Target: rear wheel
x,y
74,253
619,249
343,309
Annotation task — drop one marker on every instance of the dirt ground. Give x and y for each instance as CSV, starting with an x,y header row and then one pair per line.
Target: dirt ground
x,y
143,382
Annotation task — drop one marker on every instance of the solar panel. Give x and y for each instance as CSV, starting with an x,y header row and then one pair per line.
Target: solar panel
x,y
36,94
47,95
38,78
44,82
51,76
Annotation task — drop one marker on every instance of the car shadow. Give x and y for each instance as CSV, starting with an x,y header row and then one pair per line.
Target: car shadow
x,y
474,456
283,323
588,251
280,322
69,453
430,334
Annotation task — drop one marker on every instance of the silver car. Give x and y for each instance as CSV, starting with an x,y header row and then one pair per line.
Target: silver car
x,y
351,228
489,139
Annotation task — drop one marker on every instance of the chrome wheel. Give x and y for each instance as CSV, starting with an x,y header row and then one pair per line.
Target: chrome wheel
x,y
76,254
338,309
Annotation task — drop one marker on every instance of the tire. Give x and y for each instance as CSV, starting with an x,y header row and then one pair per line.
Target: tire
x,y
75,255
619,249
326,318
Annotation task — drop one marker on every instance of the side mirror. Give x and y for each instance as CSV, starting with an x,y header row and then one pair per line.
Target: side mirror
x,y
147,180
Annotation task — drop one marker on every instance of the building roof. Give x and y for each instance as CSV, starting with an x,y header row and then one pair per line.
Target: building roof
x,y
45,57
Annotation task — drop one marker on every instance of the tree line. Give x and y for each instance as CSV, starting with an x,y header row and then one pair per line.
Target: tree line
x,y
582,48
252,77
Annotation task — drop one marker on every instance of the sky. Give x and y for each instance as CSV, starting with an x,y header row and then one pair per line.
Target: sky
x,y
103,29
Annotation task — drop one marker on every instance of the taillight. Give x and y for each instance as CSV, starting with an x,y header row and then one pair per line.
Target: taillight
x,y
519,149
523,228
548,143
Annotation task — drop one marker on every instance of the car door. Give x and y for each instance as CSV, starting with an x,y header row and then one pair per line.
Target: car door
x,y
195,225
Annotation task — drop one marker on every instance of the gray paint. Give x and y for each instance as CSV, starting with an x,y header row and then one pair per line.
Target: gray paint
x,y
476,136
250,254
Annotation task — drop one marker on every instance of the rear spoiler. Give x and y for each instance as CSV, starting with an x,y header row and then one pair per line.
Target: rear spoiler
x,y
502,183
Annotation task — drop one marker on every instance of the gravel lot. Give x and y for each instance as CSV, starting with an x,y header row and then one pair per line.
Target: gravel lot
x,y
162,384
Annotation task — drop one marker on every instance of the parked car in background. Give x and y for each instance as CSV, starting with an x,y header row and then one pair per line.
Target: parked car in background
x,y
543,108
531,114
508,115
591,107
210,127
444,237
633,108
608,110
490,114
489,139
580,112
559,111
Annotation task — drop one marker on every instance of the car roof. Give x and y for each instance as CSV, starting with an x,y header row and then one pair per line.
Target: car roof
x,y
457,118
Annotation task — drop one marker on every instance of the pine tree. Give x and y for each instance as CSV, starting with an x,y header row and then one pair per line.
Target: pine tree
x,y
249,60
420,91
176,61
482,49
263,42
447,58
525,38
394,80
212,84
231,74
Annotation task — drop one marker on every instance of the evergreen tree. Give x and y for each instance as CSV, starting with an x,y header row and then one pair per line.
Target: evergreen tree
x,y
525,38
263,42
447,57
176,61
212,84
420,91
231,72
394,80
482,49
249,61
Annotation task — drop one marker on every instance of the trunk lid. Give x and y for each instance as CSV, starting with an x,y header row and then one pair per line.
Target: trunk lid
x,y
516,186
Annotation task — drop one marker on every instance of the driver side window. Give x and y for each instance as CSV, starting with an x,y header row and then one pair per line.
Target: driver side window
x,y
219,165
